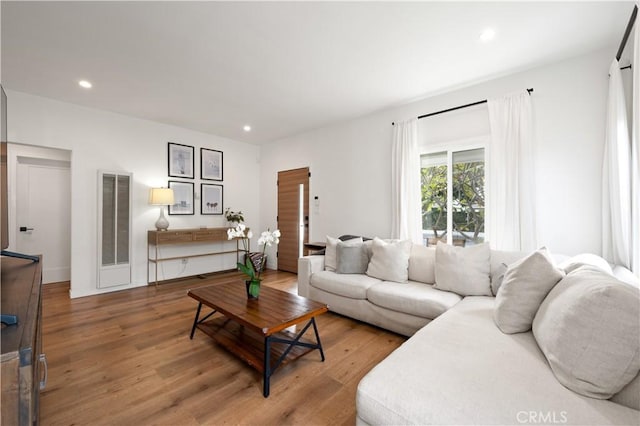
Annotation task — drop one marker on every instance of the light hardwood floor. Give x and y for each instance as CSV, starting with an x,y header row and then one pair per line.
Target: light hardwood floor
x,y
125,358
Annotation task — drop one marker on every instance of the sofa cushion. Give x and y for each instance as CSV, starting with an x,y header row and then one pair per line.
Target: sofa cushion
x,y
353,286
412,298
629,396
351,258
525,285
460,370
390,261
575,262
588,329
463,270
422,264
330,252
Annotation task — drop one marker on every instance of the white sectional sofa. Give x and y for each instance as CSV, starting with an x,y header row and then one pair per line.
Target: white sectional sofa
x,y
457,367
402,308
461,370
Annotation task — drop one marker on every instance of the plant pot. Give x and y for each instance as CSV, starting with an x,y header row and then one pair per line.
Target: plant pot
x,y
253,289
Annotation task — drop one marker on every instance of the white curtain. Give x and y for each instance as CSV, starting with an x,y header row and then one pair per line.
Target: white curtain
x,y
616,176
510,221
635,158
406,214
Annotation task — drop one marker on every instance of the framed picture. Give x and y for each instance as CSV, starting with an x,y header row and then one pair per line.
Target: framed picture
x,y
180,160
183,197
211,199
210,164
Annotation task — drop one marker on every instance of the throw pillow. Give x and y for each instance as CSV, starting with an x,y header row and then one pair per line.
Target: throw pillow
x,y
463,270
497,276
390,261
575,262
330,256
588,330
351,258
422,264
500,261
525,285
368,248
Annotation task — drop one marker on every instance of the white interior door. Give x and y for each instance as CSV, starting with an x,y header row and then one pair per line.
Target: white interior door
x,y
43,217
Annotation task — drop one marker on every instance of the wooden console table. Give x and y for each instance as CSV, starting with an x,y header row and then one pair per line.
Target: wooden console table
x,y
185,237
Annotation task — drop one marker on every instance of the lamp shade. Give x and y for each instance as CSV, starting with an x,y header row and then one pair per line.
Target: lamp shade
x,y
161,197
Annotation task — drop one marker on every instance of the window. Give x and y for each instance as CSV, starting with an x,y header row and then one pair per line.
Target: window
x,y
453,201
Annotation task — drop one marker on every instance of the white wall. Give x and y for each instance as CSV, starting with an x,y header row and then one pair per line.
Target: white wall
x,y
104,140
350,162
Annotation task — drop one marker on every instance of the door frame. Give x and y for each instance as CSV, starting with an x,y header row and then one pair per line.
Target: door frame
x,y
35,154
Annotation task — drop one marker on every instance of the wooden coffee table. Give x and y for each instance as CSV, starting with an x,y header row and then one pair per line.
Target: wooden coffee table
x,y
255,330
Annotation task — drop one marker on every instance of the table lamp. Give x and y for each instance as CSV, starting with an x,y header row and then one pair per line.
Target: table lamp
x,y
161,197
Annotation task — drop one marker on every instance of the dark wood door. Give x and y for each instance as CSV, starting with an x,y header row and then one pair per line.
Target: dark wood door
x,y
289,222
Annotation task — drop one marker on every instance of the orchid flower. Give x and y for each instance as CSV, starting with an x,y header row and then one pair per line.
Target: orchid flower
x,y
266,239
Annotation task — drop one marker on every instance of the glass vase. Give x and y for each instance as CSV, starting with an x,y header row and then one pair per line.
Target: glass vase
x,y
253,288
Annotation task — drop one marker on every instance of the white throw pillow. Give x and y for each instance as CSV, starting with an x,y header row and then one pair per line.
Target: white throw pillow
x,y
500,261
525,285
422,264
588,329
497,275
330,252
575,262
464,271
390,261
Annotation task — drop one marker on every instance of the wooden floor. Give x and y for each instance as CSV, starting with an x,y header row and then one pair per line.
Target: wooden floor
x,y
125,358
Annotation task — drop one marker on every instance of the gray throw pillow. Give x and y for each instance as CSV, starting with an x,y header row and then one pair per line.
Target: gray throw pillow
x,y
351,259
588,329
330,252
464,271
525,285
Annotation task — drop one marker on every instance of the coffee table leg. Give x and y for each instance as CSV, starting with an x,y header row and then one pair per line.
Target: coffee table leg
x,y
315,329
267,366
195,321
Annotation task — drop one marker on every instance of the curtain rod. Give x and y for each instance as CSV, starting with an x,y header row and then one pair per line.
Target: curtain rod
x,y
627,32
484,101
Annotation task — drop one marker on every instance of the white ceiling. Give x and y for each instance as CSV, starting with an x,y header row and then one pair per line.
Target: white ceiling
x,y
282,67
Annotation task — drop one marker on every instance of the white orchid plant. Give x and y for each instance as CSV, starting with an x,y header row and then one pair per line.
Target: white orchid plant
x,y
266,239
239,232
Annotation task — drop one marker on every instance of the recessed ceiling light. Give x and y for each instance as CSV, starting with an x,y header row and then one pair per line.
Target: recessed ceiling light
x,y
247,128
487,35
85,84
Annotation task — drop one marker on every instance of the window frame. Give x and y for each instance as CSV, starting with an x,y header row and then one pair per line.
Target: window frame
x,y
451,147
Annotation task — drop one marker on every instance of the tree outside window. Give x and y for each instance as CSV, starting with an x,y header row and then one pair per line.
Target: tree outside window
x,y
464,196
